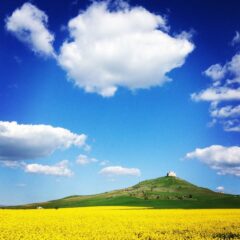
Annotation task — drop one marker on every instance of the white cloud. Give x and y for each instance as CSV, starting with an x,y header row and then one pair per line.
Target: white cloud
x,y
229,170
226,160
232,125
29,24
25,141
236,38
118,170
224,88
128,47
59,169
84,160
220,188
215,72
227,111
217,94
217,154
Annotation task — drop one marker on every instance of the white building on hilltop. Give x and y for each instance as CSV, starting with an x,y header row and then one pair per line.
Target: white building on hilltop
x,y
171,174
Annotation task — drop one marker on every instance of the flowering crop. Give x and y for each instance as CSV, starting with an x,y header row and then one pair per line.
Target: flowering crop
x,y
123,223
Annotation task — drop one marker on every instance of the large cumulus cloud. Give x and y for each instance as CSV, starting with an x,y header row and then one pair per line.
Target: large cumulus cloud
x,y
26,141
128,47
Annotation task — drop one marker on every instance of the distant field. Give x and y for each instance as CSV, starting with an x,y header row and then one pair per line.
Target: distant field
x,y
163,192
105,223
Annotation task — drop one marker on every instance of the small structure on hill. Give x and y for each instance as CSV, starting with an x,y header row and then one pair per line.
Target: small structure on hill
x,y
171,174
39,207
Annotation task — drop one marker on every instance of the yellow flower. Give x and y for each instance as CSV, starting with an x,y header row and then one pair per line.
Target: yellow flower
x,y
121,223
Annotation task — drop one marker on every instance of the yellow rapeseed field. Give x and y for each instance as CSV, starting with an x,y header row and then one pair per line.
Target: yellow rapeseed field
x,y
105,223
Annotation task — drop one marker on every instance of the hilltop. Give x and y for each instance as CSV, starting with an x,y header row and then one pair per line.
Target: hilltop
x,y
162,192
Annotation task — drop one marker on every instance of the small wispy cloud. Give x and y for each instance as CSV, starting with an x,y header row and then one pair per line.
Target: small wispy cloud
x,y
225,160
84,160
29,25
236,38
120,171
59,169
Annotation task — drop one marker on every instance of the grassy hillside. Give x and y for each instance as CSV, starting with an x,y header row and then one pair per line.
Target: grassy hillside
x,y
163,192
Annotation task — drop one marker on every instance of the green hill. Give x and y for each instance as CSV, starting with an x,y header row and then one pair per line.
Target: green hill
x,y
163,192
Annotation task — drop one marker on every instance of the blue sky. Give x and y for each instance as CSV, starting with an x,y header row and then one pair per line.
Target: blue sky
x,y
98,96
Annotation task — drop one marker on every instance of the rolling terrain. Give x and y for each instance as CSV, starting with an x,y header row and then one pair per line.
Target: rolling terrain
x,y
163,192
